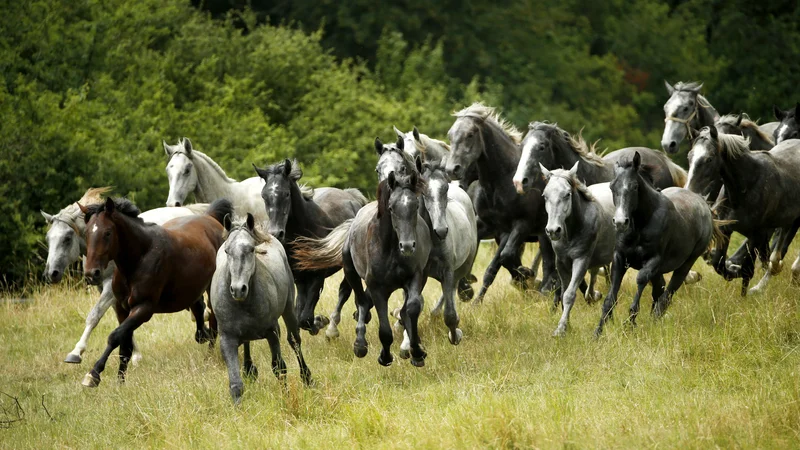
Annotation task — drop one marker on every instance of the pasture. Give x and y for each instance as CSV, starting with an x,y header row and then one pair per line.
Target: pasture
x,y
718,371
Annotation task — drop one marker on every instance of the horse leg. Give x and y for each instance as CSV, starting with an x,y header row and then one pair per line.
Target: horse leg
x,y
125,345
492,268
293,337
549,272
590,294
278,364
124,332
98,311
645,276
360,348
558,293
579,267
313,289
250,370
229,346
618,270
674,283
451,319
203,334
336,316
380,299
761,245
411,318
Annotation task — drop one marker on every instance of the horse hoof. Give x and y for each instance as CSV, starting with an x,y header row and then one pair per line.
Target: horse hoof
x,y
398,327
313,330
90,381
360,350
754,290
466,294
136,358
332,333
418,362
560,332
455,338
405,354
692,277
73,359
385,362
321,322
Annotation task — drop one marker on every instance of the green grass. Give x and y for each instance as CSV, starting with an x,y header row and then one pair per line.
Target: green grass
x,y
717,371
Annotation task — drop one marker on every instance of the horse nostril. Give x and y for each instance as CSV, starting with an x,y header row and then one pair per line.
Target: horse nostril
x,y
96,273
672,144
457,168
414,244
178,204
54,274
525,181
244,288
281,234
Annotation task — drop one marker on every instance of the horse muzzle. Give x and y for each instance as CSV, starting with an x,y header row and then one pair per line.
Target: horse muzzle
x,y
408,248
93,277
239,293
53,276
554,233
622,223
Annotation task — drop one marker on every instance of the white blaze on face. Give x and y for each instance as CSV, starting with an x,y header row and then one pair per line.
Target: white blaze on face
x,y
781,130
94,228
698,151
524,160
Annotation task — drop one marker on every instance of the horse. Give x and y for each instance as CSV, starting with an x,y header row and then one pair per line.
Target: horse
x,y
741,125
66,245
789,126
759,189
159,269
480,136
553,148
579,224
656,232
190,170
295,212
251,287
686,110
387,245
448,212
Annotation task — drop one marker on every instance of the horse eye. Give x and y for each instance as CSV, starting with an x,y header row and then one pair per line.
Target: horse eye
x,y
67,240
107,234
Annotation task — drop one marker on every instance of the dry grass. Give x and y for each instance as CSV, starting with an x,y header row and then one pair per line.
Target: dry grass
x,y
718,371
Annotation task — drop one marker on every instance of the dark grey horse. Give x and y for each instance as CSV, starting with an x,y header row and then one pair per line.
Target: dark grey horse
x,y
789,126
580,227
387,245
295,212
251,288
657,232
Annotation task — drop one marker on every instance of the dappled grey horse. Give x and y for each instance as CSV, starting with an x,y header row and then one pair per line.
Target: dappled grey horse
x,y
789,126
251,288
66,244
580,227
686,110
657,232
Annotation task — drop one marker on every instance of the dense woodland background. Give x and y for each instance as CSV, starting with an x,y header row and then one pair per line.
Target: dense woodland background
x,y
90,88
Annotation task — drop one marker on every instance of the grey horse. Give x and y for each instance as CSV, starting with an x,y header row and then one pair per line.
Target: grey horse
x,y
251,288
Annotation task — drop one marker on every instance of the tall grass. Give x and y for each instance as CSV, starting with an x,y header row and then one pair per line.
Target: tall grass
x,y
718,371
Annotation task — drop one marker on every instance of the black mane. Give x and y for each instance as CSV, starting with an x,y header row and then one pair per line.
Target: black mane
x,y
121,205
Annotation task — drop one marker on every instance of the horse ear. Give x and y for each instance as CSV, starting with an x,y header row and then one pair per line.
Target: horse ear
x,y
400,143
698,88
226,222
545,172
391,180
778,113
82,208
167,148
251,222
378,146
187,144
670,88
714,133
414,179
398,132
261,172
418,164
637,160
110,206
415,132
695,131
739,121
287,167
574,170
47,217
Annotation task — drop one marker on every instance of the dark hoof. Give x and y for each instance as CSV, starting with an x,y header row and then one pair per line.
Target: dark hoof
x,y
418,362
321,322
405,354
455,338
360,350
313,331
598,332
90,380
385,361
73,359
203,336
251,371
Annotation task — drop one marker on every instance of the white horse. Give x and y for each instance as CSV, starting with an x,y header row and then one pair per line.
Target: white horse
x,y
66,245
190,170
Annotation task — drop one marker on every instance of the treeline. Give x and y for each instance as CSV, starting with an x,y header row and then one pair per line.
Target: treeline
x,y
89,89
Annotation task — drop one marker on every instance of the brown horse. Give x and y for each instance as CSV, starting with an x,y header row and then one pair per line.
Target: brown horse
x,y
159,269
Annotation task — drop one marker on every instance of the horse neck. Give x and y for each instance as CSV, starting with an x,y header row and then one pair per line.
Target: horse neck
x,y
499,158
756,141
211,184
737,175
576,220
706,115
307,218
134,242
387,237
588,171
649,201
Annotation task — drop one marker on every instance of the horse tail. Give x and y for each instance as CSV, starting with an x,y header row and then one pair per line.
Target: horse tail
x,y
323,253
197,208
718,238
219,209
357,195
679,176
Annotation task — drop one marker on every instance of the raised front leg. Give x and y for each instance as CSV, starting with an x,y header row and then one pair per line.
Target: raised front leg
x,y
230,353
311,291
572,280
674,283
98,311
618,269
411,311
336,316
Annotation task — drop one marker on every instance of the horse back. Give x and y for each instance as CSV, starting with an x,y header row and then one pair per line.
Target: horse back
x,y
662,176
337,204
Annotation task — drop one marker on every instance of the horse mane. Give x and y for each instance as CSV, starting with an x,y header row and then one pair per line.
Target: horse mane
x,y
488,113
207,159
587,152
71,213
576,184
295,174
121,205
731,145
425,141
259,235
732,119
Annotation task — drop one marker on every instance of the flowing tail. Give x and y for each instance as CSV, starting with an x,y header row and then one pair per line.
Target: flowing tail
x,y
219,209
357,195
323,253
718,238
679,176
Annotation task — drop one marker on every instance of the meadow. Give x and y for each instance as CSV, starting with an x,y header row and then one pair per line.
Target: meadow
x,y
718,370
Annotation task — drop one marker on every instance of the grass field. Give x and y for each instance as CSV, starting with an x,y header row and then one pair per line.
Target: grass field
x,y
717,371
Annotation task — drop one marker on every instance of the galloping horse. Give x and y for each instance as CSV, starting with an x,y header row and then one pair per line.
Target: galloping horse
x,y
302,213
158,269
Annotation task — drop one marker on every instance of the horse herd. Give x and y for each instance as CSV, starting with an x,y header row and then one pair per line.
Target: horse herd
x,y
435,202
